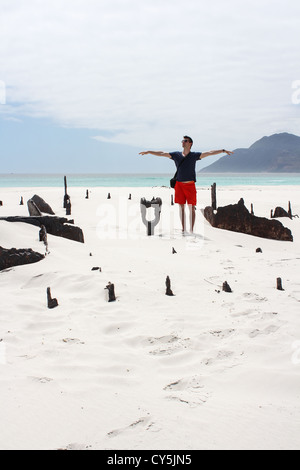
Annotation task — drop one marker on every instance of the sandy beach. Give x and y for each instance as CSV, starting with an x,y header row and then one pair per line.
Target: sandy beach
x,y
203,369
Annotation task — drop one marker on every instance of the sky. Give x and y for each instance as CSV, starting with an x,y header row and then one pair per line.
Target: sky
x,y
85,85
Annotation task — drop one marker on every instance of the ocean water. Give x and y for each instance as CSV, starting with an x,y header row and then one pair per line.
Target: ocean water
x,y
145,180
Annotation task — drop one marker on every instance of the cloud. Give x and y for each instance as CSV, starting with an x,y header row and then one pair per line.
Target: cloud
x,y
144,73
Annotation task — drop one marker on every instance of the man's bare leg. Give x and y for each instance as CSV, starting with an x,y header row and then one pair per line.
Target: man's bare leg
x,y
192,210
182,216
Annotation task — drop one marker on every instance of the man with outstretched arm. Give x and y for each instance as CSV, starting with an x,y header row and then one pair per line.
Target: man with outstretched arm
x,y
185,188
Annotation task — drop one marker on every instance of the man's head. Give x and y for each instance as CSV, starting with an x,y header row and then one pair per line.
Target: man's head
x,y
187,142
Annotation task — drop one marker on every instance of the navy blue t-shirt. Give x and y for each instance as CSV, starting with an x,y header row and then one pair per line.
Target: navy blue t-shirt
x,y
187,169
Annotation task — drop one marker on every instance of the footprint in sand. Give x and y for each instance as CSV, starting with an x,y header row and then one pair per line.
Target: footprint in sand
x,y
76,446
189,391
193,383
141,422
171,345
42,380
72,341
252,297
270,329
222,333
223,359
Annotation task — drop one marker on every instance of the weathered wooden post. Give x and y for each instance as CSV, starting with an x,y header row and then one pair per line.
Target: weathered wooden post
x,y
168,286
111,292
66,197
43,236
214,196
68,206
52,303
21,202
279,283
290,210
226,287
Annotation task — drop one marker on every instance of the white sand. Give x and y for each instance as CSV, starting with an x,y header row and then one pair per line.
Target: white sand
x,y
204,369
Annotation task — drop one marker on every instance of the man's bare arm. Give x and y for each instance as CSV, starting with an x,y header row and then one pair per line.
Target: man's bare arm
x,y
157,154
215,152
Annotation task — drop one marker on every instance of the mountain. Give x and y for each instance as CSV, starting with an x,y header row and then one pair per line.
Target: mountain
x,y
278,153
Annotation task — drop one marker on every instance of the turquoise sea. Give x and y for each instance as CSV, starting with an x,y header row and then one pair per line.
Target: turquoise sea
x,y
145,180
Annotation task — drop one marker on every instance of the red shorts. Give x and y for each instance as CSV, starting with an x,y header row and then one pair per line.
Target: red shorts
x,y
185,192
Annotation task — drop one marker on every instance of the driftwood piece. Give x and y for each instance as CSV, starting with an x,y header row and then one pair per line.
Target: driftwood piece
x,y
168,287
18,257
111,292
52,303
236,217
58,226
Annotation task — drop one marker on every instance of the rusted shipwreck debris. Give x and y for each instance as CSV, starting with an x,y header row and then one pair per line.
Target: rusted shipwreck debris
x,y
58,226
156,203
18,257
42,205
237,218
280,212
